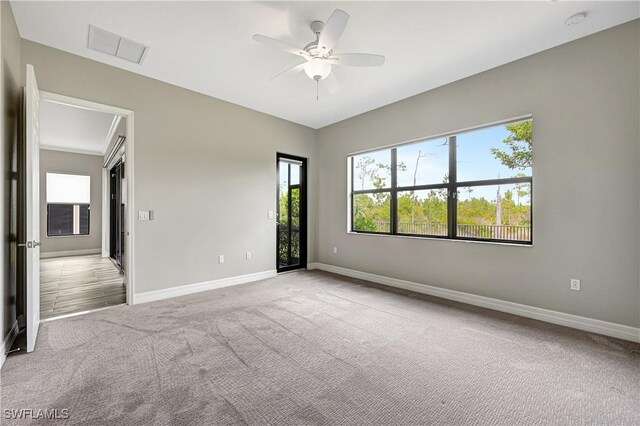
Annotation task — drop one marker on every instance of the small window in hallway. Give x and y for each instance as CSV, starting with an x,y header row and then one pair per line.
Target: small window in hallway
x,y
68,204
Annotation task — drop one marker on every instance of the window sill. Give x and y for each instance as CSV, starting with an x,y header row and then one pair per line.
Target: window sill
x,y
440,239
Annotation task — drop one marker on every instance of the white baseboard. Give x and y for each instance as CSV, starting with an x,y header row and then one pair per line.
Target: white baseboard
x,y
568,320
83,252
8,341
152,296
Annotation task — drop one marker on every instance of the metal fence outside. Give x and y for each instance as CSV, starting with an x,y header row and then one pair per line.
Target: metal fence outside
x,y
495,232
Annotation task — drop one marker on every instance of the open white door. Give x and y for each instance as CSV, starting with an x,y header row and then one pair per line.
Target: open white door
x,y
32,245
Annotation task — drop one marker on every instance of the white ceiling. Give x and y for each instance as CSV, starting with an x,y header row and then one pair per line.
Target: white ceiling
x,y
207,46
72,129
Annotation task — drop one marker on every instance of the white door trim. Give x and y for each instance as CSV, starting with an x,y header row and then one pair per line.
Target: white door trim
x,y
32,206
129,172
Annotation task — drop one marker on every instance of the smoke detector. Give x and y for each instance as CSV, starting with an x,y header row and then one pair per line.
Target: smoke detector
x,y
575,19
115,45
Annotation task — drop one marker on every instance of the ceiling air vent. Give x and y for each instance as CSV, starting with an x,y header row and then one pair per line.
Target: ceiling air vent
x,y
115,45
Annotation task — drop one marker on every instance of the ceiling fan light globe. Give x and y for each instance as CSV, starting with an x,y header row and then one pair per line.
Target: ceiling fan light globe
x,y
317,68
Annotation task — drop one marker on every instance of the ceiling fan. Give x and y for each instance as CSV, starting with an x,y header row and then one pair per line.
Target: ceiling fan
x,y
318,54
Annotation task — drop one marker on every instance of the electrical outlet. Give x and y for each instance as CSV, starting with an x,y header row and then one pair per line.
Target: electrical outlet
x,y
575,284
335,249
221,259
248,255
270,215
143,215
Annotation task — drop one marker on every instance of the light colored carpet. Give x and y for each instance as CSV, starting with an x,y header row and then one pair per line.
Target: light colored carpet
x,y
316,348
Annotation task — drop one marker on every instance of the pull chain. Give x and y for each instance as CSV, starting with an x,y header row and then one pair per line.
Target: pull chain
x,y
317,89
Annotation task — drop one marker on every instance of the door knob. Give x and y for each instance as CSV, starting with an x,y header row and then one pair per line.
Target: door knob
x,y
30,244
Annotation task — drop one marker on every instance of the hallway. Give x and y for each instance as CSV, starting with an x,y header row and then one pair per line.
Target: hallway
x,y
79,283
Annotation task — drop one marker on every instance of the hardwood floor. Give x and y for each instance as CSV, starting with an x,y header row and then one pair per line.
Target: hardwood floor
x,y
79,283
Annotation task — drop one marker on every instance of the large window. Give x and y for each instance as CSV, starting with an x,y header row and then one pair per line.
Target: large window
x,y
474,185
68,204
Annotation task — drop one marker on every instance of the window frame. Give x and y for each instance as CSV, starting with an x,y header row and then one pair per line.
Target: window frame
x,y
452,187
48,204
49,235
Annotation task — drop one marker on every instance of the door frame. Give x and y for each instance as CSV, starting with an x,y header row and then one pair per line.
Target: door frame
x,y
304,226
129,172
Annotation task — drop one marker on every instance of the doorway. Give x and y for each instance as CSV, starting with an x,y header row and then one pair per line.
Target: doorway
x,y
69,220
117,212
74,143
291,213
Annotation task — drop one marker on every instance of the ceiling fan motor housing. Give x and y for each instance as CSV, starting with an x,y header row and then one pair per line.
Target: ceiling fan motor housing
x,y
316,67
312,48
316,27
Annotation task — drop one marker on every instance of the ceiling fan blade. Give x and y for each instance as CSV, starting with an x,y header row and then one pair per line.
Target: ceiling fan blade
x,y
332,83
279,44
291,70
358,60
332,31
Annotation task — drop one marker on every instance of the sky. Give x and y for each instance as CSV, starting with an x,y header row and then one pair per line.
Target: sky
x,y
284,174
475,162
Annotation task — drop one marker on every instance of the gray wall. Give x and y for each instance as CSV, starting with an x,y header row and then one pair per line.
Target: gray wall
x,y
585,99
205,166
9,107
207,169
72,164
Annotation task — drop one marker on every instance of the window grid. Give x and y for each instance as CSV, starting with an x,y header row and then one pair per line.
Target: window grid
x,y
68,219
68,204
452,187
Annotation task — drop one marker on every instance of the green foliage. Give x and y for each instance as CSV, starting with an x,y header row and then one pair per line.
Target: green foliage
x,y
283,220
522,189
362,223
368,169
295,207
519,142
377,173
370,213
479,211
432,209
